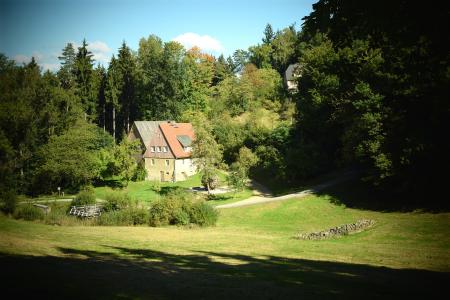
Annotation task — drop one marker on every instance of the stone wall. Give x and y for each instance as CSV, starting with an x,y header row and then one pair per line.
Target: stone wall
x,y
337,231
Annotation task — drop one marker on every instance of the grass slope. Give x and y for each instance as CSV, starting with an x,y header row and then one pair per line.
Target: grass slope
x,y
249,254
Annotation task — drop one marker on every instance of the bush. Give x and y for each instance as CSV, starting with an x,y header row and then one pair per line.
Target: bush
x,y
181,217
58,216
178,208
29,212
124,217
172,209
140,173
117,201
162,212
203,214
84,197
8,201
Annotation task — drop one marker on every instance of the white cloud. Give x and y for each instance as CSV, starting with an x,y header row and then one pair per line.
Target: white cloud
x,y
20,59
38,56
204,42
50,66
100,51
46,62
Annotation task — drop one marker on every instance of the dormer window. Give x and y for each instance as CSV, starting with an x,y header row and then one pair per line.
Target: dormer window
x,y
185,142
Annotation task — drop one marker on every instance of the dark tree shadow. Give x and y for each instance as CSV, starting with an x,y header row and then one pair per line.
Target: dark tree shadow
x,y
112,183
146,274
355,193
171,189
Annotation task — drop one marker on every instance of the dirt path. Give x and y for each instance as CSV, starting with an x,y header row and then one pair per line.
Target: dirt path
x,y
264,195
55,200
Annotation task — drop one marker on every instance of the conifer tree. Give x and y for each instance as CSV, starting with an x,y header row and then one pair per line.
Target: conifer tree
x,y
84,75
66,73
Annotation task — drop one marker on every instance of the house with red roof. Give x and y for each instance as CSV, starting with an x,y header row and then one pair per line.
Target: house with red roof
x,y
166,149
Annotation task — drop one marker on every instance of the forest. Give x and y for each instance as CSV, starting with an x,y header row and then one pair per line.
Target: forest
x,y
373,84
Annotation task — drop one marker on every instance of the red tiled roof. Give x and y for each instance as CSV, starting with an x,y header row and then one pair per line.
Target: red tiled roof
x,y
171,130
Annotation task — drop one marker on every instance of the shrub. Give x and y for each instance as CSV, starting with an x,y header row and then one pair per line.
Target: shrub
x,y
124,217
85,197
161,212
181,217
117,201
8,201
178,208
140,173
58,216
203,214
29,212
172,209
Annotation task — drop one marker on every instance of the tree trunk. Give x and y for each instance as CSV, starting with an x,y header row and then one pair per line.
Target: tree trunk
x,y
104,118
208,188
128,122
114,122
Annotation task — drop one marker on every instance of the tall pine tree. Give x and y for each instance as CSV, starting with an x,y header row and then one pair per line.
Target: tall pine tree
x,y
66,73
84,75
126,64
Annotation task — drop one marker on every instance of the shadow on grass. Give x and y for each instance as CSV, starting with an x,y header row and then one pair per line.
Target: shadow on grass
x,y
147,274
111,182
171,189
220,197
355,193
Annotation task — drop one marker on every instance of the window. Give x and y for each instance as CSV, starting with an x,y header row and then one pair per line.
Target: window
x,y
164,149
152,162
158,149
167,162
152,149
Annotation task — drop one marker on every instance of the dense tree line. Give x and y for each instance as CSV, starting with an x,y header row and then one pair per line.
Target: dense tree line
x,y
60,129
373,86
374,90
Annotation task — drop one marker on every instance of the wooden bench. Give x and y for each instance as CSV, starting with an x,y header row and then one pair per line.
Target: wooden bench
x,y
45,208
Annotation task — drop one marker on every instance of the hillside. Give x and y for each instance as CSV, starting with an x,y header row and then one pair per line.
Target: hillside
x,y
250,253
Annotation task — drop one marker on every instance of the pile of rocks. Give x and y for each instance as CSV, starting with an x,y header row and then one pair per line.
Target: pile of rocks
x,y
337,231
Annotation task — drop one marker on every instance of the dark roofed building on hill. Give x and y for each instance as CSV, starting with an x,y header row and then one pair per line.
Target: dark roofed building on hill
x,y
291,75
166,149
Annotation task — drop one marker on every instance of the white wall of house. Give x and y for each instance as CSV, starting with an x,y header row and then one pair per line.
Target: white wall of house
x,y
184,168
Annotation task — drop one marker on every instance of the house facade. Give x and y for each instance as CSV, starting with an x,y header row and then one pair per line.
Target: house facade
x,y
291,76
166,149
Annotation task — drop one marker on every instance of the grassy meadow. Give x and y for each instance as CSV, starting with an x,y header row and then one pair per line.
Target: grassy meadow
x,y
250,253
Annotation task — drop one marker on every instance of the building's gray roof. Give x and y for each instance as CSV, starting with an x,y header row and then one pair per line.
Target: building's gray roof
x,y
290,72
147,129
184,140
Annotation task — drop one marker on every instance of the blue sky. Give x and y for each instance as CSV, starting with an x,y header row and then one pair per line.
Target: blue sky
x,y
42,28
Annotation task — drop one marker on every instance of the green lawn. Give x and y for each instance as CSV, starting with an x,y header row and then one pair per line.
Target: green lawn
x,y
145,190
249,254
